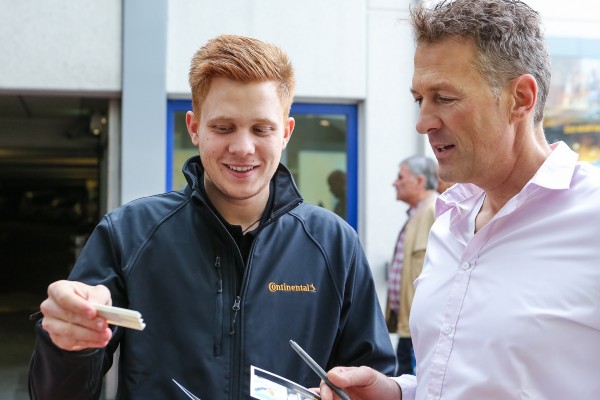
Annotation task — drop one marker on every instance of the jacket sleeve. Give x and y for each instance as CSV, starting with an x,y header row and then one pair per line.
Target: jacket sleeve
x,y
363,337
58,374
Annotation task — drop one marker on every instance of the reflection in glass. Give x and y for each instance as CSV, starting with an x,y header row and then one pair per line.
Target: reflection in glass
x,y
573,107
316,150
183,148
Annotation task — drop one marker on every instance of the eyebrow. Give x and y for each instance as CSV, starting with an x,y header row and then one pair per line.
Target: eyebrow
x,y
265,120
225,118
435,88
219,118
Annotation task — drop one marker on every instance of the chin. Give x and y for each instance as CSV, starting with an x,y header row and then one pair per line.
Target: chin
x,y
244,195
447,174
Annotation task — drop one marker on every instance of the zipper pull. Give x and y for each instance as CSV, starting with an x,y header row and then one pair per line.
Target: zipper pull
x,y
218,268
235,308
218,334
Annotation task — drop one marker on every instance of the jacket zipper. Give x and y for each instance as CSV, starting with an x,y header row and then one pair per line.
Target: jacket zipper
x,y
235,341
235,308
237,383
236,354
219,311
236,305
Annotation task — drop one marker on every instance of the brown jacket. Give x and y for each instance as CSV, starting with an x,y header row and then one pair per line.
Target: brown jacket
x,y
415,244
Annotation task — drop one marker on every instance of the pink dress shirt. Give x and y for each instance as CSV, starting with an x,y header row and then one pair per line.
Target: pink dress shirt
x,y
513,311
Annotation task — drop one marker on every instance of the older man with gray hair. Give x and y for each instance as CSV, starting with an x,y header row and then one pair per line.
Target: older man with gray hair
x,y
416,185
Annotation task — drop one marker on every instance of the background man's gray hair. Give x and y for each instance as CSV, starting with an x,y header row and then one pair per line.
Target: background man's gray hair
x,y
423,166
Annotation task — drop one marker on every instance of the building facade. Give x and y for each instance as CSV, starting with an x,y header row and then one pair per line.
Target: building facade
x,y
94,92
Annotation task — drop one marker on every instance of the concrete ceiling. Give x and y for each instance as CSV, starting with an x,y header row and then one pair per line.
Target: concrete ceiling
x,y
48,138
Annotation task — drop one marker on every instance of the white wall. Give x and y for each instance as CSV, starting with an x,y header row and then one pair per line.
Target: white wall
x,y
576,18
57,45
389,135
324,39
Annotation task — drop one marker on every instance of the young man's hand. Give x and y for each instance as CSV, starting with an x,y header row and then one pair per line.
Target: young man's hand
x,y
70,318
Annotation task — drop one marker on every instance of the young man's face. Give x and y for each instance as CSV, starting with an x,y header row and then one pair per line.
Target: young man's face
x,y
240,133
468,128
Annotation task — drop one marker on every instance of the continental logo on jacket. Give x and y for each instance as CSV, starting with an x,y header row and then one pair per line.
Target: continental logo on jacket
x,y
284,287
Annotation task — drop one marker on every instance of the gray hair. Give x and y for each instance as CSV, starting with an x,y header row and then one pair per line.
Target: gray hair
x,y
423,166
507,35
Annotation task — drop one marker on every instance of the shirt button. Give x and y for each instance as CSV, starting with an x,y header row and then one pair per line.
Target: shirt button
x,y
466,265
447,330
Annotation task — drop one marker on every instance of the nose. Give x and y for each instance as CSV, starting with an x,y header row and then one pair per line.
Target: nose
x,y
428,121
242,143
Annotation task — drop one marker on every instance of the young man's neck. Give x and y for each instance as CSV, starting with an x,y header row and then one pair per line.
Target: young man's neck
x,y
243,212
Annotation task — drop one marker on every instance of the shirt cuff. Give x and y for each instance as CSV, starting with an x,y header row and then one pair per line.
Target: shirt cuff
x,y
408,386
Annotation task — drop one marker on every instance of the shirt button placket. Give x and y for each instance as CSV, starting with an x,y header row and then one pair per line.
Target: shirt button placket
x,y
447,330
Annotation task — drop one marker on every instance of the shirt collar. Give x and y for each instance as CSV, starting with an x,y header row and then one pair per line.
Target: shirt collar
x,y
555,173
455,197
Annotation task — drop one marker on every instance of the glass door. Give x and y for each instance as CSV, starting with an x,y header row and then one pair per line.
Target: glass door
x,y
321,155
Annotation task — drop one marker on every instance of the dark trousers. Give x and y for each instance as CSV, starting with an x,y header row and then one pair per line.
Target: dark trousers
x,y
405,354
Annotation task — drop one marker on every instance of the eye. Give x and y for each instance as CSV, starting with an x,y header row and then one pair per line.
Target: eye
x,y
222,128
445,100
263,129
419,101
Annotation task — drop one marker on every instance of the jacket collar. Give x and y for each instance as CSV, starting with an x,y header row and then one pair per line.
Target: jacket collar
x,y
285,194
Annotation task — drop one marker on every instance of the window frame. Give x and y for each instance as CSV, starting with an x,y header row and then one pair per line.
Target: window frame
x,y
349,111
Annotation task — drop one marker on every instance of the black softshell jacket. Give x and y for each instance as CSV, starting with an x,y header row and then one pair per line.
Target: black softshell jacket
x,y
169,257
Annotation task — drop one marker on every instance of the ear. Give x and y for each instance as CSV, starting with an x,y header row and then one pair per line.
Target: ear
x,y
524,93
288,129
192,127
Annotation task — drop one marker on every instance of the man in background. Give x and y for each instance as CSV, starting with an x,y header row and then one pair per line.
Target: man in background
x,y
337,186
416,185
